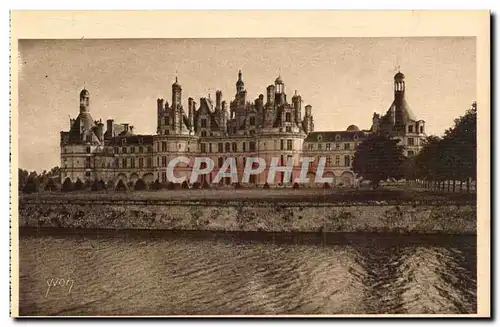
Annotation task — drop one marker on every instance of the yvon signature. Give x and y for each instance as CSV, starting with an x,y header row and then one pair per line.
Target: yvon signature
x,y
59,282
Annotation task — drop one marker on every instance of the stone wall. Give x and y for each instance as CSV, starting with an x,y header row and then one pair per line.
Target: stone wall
x,y
240,216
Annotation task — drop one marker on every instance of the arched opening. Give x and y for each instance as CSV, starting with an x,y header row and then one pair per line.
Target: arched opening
x,y
347,179
311,176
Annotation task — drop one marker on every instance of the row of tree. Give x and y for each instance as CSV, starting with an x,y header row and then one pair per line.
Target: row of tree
x,y
449,158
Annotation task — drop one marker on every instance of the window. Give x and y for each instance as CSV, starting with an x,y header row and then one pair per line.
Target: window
x,y
347,161
227,147
203,133
166,120
150,148
163,146
87,162
141,162
282,144
288,117
421,129
89,138
141,149
337,160
347,146
124,141
289,145
149,162
235,147
319,146
411,141
221,148
132,162
203,147
411,153
310,146
234,130
164,176
220,162
328,161
252,146
124,149
157,161
164,161
88,149
132,149
244,146
288,129
252,132
87,173
337,146
410,129
328,147
252,121
209,147
203,123
337,137
124,163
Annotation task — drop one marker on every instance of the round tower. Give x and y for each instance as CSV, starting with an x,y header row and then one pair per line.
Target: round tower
x,y
84,101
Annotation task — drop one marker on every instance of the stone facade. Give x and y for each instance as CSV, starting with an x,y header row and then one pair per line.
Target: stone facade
x,y
266,128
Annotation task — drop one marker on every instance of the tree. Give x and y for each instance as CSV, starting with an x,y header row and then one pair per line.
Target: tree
x,y
32,184
140,185
67,185
378,158
51,185
23,178
78,185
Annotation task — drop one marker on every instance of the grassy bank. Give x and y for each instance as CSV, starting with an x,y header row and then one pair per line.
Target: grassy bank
x,y
384,196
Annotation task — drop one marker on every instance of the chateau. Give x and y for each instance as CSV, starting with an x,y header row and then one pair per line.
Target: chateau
x,y
265,127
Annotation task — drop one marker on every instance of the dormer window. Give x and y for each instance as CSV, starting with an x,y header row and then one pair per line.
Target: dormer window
x,y
337,137
124,141
320,138
356,137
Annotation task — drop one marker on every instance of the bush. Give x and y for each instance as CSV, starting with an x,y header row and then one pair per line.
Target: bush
x,y
95,186
156,185
51,185
67,186
78,185
326,185
31,185
121,186
295,186
266,185
140,185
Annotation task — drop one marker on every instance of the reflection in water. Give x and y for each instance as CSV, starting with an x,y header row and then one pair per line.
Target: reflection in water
x,y
167,274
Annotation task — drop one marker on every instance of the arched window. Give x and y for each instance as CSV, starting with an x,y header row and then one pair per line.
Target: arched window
x,y
227,147
235,147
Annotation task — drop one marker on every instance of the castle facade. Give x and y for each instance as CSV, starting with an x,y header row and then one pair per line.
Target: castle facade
x,y
270,127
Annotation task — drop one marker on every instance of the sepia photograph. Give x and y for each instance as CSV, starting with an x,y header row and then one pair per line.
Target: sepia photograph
x,y
226,175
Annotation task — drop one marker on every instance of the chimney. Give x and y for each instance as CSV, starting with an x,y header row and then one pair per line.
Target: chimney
x,y
125,127
110,127
218,98
159,103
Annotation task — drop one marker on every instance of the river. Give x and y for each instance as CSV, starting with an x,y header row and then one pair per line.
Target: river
x,y
92,272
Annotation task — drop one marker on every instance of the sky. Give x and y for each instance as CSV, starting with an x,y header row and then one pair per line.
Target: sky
x,y
345,80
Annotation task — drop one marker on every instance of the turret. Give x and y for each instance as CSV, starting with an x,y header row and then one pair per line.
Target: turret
x,y
224,117
159,106
240,85
176,94
280,91
84,101
399,98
